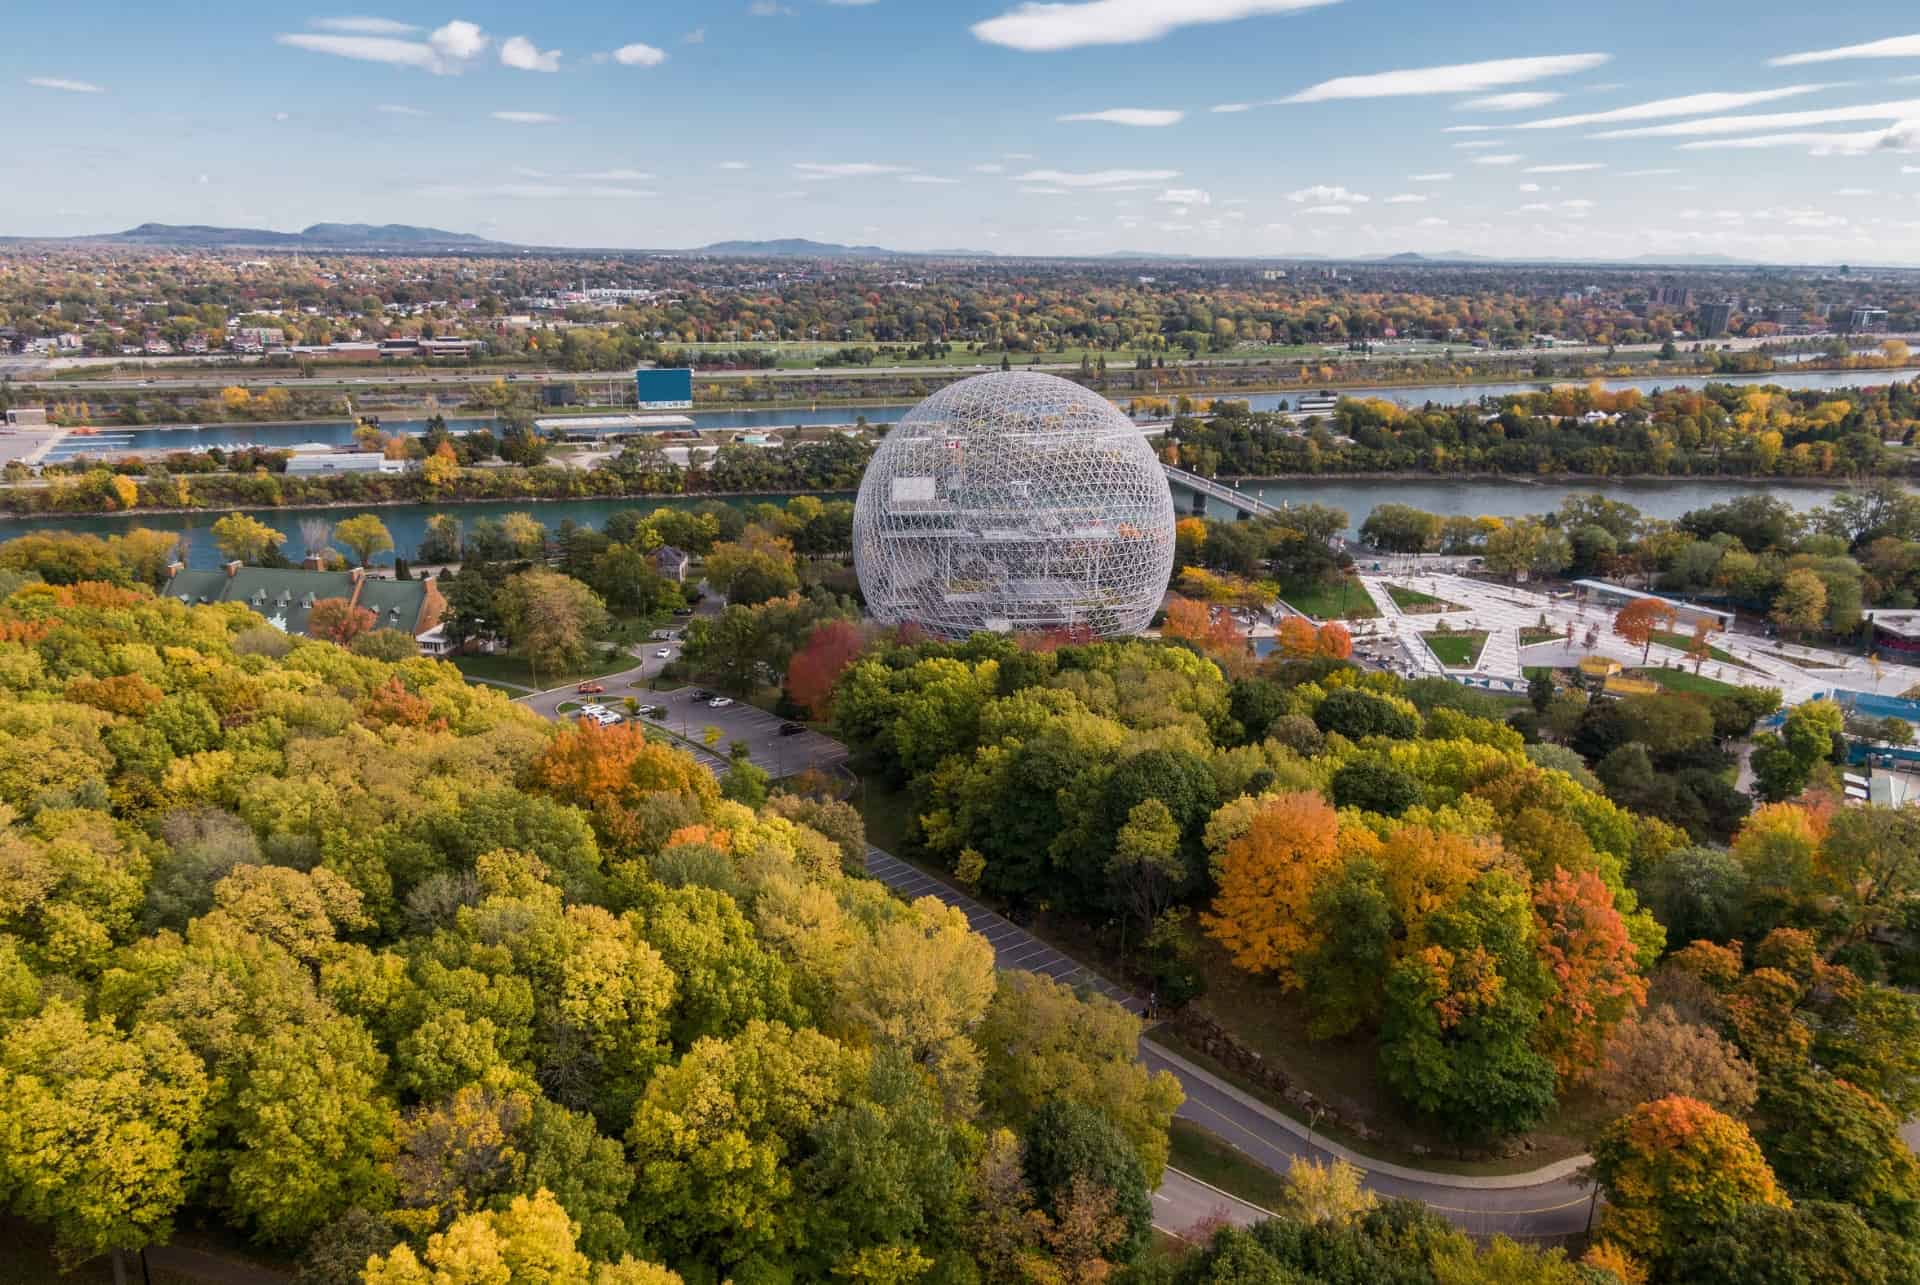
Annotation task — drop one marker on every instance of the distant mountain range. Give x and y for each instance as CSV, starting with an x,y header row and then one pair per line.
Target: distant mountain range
x,y
321,236
339,237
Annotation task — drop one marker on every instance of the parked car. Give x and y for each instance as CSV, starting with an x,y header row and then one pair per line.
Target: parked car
x,y
683,611
592,708
607,718
703,695
655,711
720,702
589,689
791,729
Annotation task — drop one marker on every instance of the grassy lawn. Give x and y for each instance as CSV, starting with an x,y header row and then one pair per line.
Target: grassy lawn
x,y
1529,637
1345,1074
1457,651
1415,603
1344,599
1685,680
511,669
1680,642
1213,1160
1801,662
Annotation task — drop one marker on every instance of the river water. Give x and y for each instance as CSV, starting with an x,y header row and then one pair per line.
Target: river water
x,y
1471,497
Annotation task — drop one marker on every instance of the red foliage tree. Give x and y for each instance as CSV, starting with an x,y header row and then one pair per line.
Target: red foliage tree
x,y
337,620
814,669
1584,944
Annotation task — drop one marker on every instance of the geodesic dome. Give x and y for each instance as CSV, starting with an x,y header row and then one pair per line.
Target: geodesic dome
x,y
1014,501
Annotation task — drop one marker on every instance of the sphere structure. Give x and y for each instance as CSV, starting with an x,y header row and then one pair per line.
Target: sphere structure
x,y
1011,502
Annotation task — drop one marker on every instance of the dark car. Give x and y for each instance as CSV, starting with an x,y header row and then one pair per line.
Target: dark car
x,y
791,729
703,695
683,611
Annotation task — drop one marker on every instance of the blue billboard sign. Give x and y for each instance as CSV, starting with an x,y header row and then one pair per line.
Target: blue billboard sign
x,y
664,389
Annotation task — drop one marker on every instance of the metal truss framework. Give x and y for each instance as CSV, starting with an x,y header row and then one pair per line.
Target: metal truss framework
x,y
1011,502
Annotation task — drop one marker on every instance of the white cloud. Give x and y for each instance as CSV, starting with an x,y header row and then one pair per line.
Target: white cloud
x,y
1687,105
1405,198
1324,193
768,9
1479,144
1523,100
814,171
1047,27
1186,196
698,36
1328,209
1442,177
1045,191
1653,173
1853,191
66,86
1107,179
281,116
1460,78
443,52
1536,207
398,109
1529,187
614,176
364,26
1431,222
1580,204
921,178
1892,47
1903,136
1503,158
1571,167
735,165
639,55
523,55
508,191
990,168
1139,117
1903,109
458,40
526,118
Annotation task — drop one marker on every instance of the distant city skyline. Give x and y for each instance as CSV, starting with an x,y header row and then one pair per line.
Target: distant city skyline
x,y
1761,131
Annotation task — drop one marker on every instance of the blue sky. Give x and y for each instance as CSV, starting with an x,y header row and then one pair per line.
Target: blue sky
x,y
1353,126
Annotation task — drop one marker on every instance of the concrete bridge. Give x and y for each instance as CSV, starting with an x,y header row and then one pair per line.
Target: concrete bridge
x,y
1204,489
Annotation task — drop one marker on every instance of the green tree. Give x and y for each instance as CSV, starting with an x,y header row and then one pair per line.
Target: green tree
x,y
1068,1141
1800,603
96,1128
551,619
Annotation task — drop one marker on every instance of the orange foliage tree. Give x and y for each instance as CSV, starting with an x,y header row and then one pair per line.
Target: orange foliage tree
x,y
1297,638
392,705
1584,944
337,620
1334,641
814,669
1215,634
1262,913
1675,1172
1639,620
596,766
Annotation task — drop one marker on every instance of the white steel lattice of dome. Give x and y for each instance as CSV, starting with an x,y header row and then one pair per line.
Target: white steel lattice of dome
x,y
1010,502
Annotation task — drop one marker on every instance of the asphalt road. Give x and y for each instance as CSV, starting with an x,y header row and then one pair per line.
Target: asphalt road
x,y
1546,1205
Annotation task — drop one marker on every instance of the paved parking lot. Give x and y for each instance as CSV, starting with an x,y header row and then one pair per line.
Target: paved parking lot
x,y
773,753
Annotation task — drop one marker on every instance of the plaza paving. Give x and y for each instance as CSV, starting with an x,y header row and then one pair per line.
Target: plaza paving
x,y
1504,610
